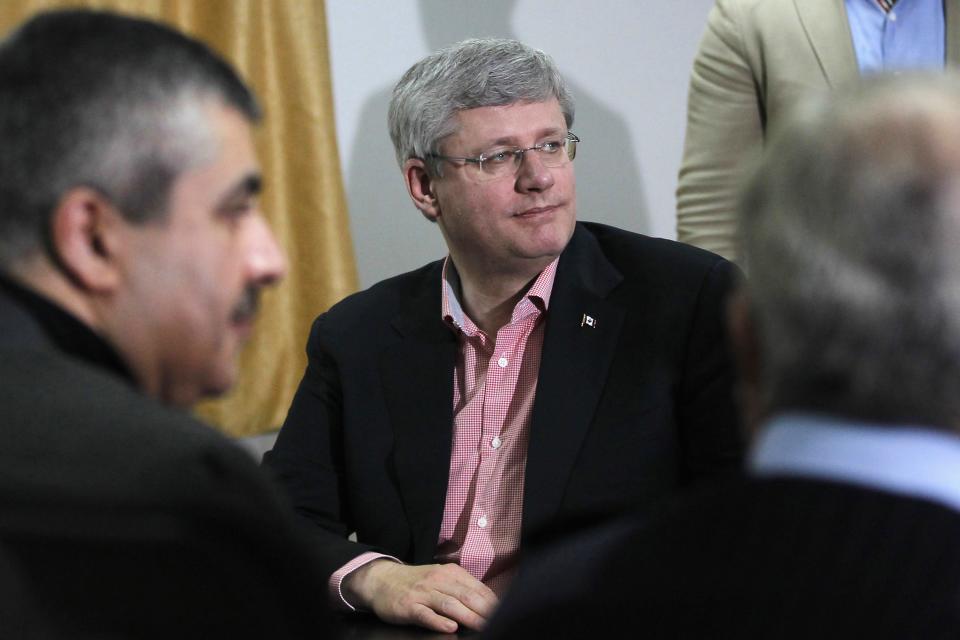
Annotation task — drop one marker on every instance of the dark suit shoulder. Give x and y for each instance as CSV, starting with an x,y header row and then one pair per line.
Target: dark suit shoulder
x,y
757,558
817,557
654,271
633,251
72,429
101,483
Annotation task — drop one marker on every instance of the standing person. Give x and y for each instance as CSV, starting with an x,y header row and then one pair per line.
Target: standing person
x,y
132,253
848,337
546,371
759,58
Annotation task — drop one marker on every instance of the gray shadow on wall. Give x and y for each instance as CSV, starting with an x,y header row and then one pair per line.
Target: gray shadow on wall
x,y
392,237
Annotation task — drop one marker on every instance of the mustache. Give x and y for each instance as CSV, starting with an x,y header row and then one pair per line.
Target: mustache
x,y
247,307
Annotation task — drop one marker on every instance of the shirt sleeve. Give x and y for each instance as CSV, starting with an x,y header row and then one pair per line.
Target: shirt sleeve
x,y
337,599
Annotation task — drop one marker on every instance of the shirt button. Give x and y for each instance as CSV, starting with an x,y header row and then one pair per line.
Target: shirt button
x,y
503,362
892,16
482,522
496,442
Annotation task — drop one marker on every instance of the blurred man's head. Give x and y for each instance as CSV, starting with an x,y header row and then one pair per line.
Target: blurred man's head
x,y
852,231
128,185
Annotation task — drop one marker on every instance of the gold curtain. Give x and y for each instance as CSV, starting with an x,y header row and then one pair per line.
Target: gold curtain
x,y
280,48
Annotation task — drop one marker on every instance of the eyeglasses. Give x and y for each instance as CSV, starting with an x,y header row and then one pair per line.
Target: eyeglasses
x,y
505,162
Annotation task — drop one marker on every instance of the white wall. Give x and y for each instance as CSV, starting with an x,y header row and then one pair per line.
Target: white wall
x,y
628,64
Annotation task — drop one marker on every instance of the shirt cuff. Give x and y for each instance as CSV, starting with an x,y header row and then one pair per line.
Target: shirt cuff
x,y
337,600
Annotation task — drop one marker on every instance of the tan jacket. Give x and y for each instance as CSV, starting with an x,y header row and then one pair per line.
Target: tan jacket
x,y
757,58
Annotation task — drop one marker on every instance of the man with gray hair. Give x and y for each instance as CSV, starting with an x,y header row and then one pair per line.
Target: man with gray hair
x,y
848,337
132,251
546,372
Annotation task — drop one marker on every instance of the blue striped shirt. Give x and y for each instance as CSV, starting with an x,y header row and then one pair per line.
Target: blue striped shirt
x,y
910,36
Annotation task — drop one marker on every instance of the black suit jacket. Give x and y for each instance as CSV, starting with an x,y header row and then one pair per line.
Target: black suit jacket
x,y
625,412
100,484
760,558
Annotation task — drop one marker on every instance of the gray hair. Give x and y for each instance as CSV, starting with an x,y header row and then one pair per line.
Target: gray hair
x,y
852,229
470,74
105,101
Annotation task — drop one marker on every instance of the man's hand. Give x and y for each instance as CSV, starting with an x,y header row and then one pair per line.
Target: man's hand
x,y
435,596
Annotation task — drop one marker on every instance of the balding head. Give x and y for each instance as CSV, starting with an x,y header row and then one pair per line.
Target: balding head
x,y
852,232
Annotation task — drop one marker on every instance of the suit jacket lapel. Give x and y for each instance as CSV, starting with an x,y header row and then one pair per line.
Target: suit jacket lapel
x,y
417,378
828,31
951,17
573,370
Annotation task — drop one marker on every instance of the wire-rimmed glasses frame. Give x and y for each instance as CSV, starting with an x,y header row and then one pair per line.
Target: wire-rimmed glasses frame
x,y
500,163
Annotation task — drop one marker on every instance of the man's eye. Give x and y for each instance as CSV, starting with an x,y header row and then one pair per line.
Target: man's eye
x,y
551,146
498,157
238,209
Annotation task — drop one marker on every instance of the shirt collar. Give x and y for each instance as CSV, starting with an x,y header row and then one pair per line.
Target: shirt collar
x,y
917,461
66,332
536,300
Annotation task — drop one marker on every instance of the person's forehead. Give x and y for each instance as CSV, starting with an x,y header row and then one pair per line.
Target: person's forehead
x,y
515,120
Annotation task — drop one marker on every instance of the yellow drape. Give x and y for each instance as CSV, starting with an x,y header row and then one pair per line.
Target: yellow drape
x,y
280,48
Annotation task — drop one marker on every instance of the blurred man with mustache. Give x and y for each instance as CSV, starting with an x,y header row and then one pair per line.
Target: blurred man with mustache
x,y
132,250
546,372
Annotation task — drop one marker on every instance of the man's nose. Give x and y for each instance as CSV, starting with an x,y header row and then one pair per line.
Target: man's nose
x,y
532,174
266,261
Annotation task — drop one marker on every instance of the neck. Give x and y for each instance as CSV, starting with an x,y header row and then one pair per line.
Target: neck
x,y
40,275
37,274
489,298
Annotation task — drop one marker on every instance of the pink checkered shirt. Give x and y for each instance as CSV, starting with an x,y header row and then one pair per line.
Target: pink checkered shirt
x,y
494,384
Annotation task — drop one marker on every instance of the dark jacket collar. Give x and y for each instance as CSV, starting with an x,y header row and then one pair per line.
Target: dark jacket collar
x,y
31,321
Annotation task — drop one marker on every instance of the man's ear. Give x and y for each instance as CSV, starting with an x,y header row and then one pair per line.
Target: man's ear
x,y
745,343
85,235
420,187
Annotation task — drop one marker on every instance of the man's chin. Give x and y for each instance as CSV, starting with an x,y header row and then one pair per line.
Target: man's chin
x,y
224,381
216,384
242,328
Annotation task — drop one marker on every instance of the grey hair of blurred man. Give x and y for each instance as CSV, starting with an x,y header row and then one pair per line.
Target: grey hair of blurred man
x,y
852,230
467,75
102,101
